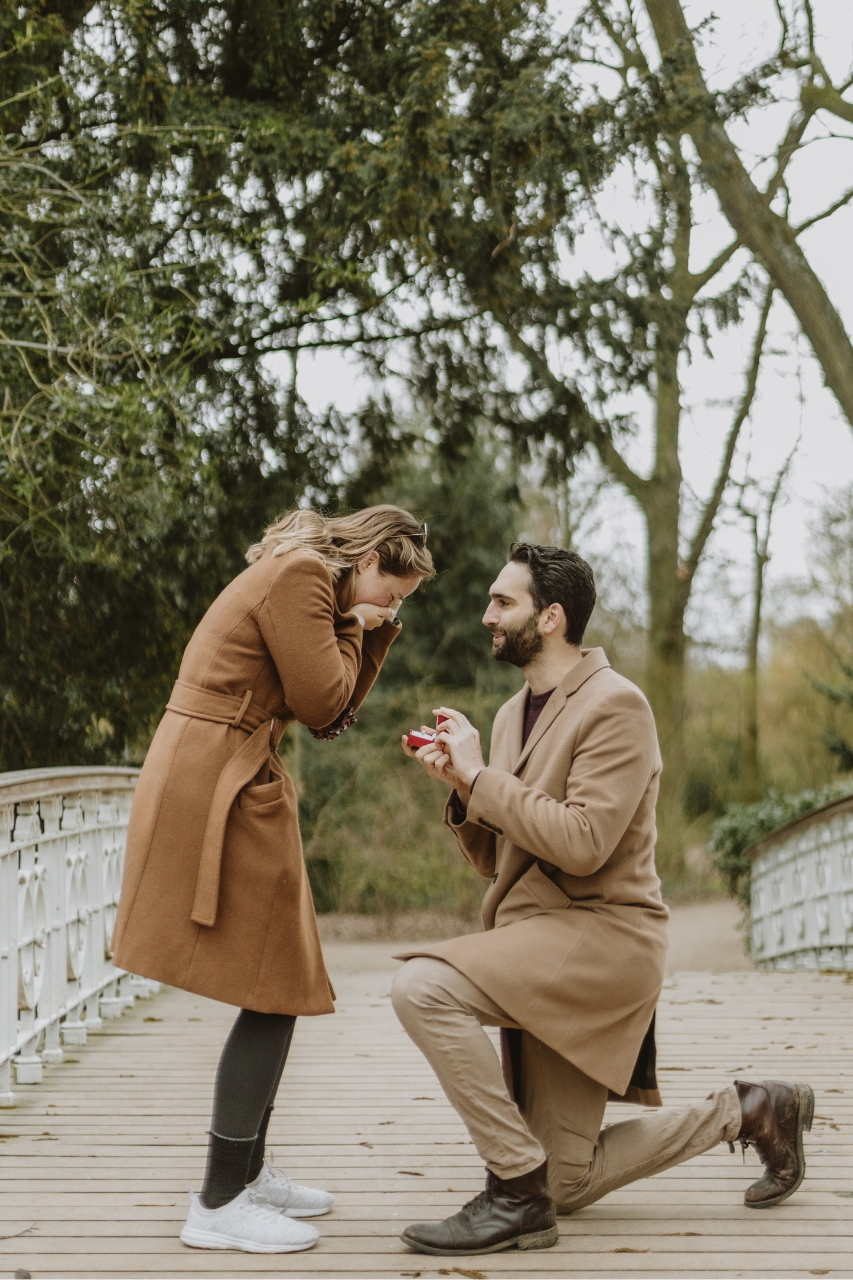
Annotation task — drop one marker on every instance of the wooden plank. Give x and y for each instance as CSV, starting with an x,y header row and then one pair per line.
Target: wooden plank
x,y
95,1178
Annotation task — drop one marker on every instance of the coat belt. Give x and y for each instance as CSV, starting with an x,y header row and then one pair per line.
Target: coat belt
x,y
248,760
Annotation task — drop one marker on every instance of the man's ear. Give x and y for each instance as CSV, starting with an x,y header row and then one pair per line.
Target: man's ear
x,y
553,618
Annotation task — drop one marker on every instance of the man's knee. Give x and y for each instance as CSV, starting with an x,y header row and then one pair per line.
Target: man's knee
x,y
411,986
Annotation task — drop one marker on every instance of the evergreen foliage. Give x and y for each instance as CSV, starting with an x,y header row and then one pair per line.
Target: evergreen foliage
x,y
743,824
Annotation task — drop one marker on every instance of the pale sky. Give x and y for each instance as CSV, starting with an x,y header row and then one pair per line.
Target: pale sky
x,y
743,35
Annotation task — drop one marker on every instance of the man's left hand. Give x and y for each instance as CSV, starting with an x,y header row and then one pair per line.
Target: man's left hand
x,y
461,741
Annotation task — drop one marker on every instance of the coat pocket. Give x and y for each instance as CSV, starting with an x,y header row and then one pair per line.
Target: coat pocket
x,y
266,793
544,890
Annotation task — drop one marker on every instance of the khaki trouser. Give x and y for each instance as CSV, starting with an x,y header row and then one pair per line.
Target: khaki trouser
x,y
559,1111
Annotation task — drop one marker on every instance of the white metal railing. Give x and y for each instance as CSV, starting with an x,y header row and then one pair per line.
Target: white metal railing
x,y
802,892
62,840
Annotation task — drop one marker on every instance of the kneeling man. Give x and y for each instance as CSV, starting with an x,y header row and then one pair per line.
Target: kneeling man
x,y
570,967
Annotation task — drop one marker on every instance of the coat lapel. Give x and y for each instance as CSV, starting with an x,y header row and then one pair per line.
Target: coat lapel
x,y
593,660
515,727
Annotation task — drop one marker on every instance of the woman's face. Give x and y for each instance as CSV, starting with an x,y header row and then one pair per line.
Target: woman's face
x,y
372,586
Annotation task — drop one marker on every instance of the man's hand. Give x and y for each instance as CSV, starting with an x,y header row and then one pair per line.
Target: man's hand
x,y
436,763
461,742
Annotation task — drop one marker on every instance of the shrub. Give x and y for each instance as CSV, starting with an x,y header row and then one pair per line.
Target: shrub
x,y
742,824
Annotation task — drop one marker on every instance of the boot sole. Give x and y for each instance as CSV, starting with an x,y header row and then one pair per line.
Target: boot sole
x,y
216,1240
805,1116
534,1240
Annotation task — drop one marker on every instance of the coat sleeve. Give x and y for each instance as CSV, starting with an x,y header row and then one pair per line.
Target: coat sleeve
x,y
477,844
614,759
317,655
374,649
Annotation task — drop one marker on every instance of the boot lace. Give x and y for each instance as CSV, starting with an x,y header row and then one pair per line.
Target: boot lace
x,y
479,1206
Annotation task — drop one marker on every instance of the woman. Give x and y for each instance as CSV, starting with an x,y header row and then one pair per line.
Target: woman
x,y
215,897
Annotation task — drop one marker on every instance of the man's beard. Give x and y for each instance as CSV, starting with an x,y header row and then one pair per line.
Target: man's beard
x,y
521,644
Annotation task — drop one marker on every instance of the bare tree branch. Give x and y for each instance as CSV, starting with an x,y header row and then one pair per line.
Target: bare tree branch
x,y
827,213
824,97
712,506
701,278
570,396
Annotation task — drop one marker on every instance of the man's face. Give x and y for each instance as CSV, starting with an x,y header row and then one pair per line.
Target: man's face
x,y
512,618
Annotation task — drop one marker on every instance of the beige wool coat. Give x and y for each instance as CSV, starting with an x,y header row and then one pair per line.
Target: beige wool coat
x,y
576,931
215,897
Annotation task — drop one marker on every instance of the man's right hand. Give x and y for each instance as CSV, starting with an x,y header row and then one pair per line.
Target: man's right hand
x,y
436,763
370,616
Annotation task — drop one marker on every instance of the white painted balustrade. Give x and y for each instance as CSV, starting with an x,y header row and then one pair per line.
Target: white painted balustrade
x,y
62,840
802,892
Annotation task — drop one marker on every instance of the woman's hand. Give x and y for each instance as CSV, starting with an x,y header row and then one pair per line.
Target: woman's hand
x,y
371,616
435,760
458,739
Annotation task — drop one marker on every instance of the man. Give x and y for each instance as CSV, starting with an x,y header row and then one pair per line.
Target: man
x,y
572,960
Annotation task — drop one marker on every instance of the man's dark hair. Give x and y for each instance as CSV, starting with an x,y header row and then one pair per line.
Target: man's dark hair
x,y
559,577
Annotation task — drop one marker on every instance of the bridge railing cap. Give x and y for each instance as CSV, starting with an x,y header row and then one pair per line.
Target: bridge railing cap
x,y
32,784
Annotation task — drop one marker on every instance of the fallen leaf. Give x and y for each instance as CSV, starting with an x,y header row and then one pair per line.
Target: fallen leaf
x,y
381,1122
423,1097
366,1144
627,1250
150,1019
23,1231
845,1195
472,1275
819,1272
410,1173
682,1233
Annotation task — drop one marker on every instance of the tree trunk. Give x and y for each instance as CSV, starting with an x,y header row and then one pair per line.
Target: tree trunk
x,y
751,763
665,662
768,236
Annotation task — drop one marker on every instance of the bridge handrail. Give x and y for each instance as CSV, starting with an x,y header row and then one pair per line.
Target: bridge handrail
x,y
62,841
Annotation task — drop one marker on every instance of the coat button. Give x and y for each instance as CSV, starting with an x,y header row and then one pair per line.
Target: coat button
x,y
494,878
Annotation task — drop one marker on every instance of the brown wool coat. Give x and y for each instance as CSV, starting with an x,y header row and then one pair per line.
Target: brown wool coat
x,y
575,939
215,898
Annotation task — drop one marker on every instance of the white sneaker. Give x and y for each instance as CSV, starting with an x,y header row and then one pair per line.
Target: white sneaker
x,y
293,1200
248,1222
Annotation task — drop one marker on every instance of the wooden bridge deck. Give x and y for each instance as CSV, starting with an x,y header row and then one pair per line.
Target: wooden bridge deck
x,y
95,1161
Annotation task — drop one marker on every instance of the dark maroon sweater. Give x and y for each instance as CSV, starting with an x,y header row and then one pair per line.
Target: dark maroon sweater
x,y
532,712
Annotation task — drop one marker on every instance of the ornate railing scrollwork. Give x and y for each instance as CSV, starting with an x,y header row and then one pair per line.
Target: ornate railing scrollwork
x,y
62,840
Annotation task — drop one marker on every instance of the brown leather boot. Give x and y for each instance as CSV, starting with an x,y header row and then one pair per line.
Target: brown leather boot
x,y
774,1115
510,1213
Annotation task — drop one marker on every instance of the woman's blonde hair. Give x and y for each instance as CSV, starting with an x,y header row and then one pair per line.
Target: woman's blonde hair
x,y
342,541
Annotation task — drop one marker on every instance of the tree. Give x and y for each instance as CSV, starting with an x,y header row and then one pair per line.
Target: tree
x,y
535,136
554,353
756,504
189,193
765,230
